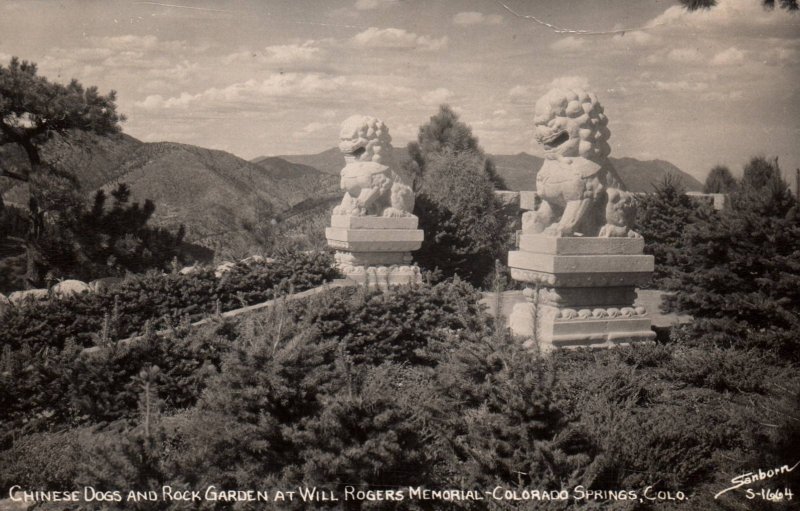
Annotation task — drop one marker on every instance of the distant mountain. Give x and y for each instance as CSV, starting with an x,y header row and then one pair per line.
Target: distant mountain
x,y
213,193
519,171
329,161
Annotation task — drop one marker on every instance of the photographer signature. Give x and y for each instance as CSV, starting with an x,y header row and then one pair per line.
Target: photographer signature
x,y
752,477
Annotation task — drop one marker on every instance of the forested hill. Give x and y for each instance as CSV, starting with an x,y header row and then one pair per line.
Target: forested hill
x,y
519,170
213,193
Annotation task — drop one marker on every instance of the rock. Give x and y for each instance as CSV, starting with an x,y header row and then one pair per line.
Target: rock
x,y
69,288
188,270
30,295
257,259
224,268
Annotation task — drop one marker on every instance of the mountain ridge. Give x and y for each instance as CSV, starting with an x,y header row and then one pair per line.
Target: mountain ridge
x,y
519,170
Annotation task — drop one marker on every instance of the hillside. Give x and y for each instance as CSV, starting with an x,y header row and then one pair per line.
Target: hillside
x,y
213,193
329,161
519,171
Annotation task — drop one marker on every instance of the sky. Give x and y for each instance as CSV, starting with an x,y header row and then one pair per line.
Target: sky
x,y
269,77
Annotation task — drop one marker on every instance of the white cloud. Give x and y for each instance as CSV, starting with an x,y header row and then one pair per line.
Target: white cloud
x,y
397,38
276,86
729,57
367,5
279,54
313,127
685,55
437,97
635,37
571,82
569,43
680,86
727,15
476,18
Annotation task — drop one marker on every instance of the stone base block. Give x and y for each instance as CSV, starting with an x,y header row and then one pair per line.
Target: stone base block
x,y
374,222
374,240
382,277
598,270
541,244
550,328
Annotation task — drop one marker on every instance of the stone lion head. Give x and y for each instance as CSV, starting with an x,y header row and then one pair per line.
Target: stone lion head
x,y
366,138
571,123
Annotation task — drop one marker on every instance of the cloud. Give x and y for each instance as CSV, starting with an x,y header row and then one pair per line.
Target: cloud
x,y
437,97
680,86
569,43
685,55
278,85
368,5
313,127
571,82
476,18
636,37
729,57
396,38
730,16
279,54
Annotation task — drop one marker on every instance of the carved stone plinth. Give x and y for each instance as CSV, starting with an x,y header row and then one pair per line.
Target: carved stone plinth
x,y
376,251
580,292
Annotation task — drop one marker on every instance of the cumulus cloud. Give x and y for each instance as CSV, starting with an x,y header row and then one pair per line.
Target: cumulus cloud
x,y
476,18
570,82
680,86
729,57
279,54
436,97
367,5
278,85
397,38
313,127
685,55
738,15
635,38
569,43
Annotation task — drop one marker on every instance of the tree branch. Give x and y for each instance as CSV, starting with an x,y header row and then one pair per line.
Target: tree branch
x,y
14,175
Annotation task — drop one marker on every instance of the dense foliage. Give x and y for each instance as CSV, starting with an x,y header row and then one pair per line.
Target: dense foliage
x,y
160,299
661,218
332,393
742,271
464,223
720,180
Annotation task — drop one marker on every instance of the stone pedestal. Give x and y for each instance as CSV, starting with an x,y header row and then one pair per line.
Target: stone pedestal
x,y
580,291
376,251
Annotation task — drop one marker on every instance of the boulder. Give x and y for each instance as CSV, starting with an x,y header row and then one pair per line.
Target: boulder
x,y
188,270
71,287
224,268
30,295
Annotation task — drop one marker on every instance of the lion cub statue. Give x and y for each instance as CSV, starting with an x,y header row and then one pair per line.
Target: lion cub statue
x,y
371,187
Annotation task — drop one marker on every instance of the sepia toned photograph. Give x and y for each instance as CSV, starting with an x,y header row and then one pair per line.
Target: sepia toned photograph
x,y
399,254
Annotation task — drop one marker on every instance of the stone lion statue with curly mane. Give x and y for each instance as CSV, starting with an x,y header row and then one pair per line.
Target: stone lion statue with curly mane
x,y
372,187
577,179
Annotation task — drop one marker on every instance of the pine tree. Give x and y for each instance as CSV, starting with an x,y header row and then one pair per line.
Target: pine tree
x,y
742,268
455,182
32,109
720,180
661,219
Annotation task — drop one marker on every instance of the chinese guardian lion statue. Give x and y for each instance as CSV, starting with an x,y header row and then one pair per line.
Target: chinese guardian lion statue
x,y
371,187
581,193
